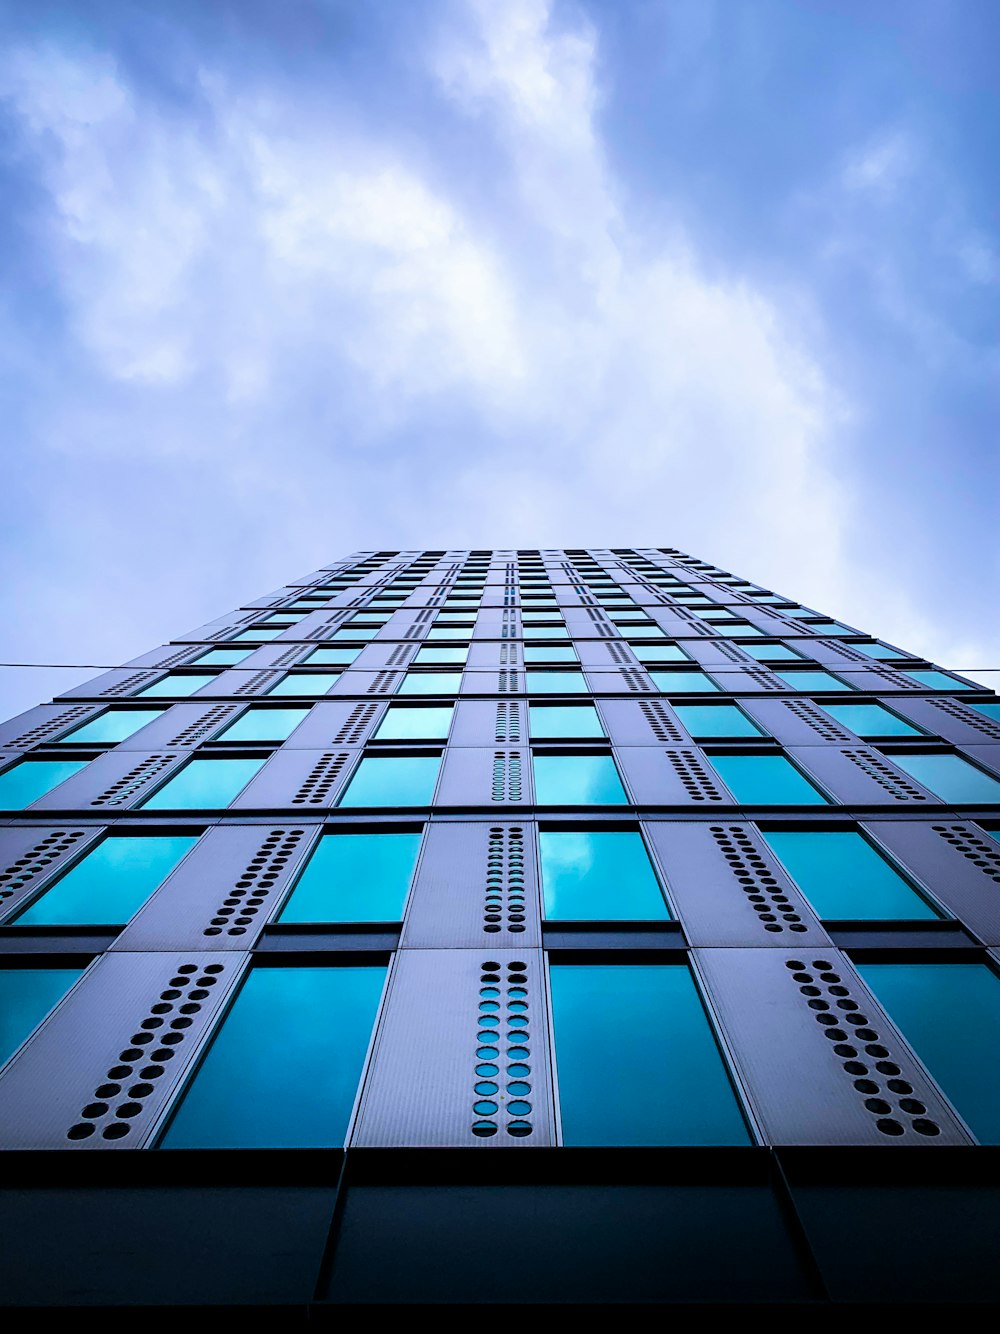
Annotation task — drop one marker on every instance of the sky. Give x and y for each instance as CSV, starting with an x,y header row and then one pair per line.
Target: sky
x,y
285,279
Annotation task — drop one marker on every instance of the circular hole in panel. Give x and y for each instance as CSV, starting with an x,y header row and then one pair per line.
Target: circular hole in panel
x,y
118,1130
486,1053
484,1129
518,1088
519,1129
485,1087
925,1127
484,1107
889,1127
80,1131
487,1069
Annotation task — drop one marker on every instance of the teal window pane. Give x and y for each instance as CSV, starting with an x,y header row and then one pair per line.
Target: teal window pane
x,y
549,653
881,651
222,657
663,652
110,884
564,720
577,780
26,997
870,720
31,779
115,725
636,1059
991,709
355,632
555,683
177,685
454,617
393,780
355,878
766,780
263,725
448,631
256,634
738,631
682,683
332,657
950,1013
771,652
593,875
938,680
825,627
818,682
208,784
442,655
845,878
951,777
305,683
283,1071
716,720
431,683
545,632
415,724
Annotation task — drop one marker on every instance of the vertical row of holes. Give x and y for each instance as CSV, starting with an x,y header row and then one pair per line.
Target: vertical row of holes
x,y
504,898
503,1053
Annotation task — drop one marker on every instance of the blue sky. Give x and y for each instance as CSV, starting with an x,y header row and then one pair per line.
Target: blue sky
x,y
286,279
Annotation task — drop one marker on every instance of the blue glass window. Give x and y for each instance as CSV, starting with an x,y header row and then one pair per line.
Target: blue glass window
x,y
305,683
178,685
431,683
680,682
738,630
771,652
991,708
593,875
413,723
257,633
393,780
448,631
555,683
950,1013
110,884
845,878
816,682
703,720
332,657
951,777
549,653
545,632
880,651
26,997
115,725
355,632
263,724
938,680
636,1059
31,779
208,784
871,720
355,878
577,780
458,653
662,652
222,657
559,721
284,1068
821,627
766,780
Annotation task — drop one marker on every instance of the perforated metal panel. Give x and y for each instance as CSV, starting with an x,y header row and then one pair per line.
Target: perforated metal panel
x,y
299,780
43,724
116,781
859,775
484,776
797,722
672,776
421,1086
106,1061
648,722
821,1061
33,855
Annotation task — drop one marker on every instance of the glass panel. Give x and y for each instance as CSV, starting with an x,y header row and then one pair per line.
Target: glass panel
x,y
222,657
991,708
716,720
313,1025
115,725
951,777
950,1013
740,630
176,685
203,783
31,779
825,627
110,884
256,634
577,780
393,780
939,681
813,681
409,724
528,614
844,877
431,683
636,1059
771,652
766,780
305,683
545,632
26,997
448,632
870,720
881,651
664,652
549,653
564,720
332,657
677,683
596,875
555,683
355,632
355,878
263,724
438,655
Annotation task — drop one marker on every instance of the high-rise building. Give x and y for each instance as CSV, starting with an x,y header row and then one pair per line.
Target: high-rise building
x,y
578,926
